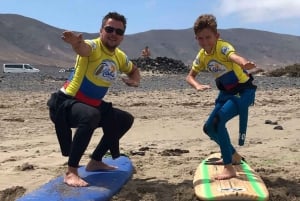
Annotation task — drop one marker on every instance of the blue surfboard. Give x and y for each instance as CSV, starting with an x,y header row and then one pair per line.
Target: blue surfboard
x,y
103,184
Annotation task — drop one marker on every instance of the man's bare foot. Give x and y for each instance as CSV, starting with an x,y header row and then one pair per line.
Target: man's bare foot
x,y
94,165
72,178
228,172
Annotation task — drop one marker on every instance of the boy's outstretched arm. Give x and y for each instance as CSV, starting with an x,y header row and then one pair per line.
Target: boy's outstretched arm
x,y
244,63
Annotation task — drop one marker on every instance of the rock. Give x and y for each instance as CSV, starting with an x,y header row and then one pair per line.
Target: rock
x,y
12,193
161,65
25,167
271,122
268,122
174,152
278,128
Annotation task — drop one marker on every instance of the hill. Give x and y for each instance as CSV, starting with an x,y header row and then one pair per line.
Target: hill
x,y
27,40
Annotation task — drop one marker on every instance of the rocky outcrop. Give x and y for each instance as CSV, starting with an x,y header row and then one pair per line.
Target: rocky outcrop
x,y
161,65
288,71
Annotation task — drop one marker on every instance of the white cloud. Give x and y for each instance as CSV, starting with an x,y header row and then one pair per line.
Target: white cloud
x,y
260,10
150,4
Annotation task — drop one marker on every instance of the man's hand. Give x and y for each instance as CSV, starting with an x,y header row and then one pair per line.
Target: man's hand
x,y
130,82
77,43
72,38
133,78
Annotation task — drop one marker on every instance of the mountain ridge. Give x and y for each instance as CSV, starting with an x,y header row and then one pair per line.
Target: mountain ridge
x,y
26,40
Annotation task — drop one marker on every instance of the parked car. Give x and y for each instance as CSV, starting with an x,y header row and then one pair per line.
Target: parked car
x,y
19,68
63,70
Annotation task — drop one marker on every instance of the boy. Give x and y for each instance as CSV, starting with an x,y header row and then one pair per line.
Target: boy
x,y
236,94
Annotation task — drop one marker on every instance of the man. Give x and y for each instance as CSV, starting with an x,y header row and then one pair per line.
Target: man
x,y
79,103
146,52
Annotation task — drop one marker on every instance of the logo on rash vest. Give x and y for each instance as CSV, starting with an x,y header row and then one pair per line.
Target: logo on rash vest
x,y
225,50
107,71
216,67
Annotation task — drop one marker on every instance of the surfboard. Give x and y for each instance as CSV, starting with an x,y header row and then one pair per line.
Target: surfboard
x,y
248,185
103,184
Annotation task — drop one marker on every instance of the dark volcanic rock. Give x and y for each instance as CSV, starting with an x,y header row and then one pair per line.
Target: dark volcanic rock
x,y
288,71
161,65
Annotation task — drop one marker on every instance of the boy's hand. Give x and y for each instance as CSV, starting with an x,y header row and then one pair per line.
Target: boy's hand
x,y
202,87
255,70
249,65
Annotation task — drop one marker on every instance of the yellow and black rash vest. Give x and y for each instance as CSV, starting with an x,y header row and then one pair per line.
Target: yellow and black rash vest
x,y
227,74
94,74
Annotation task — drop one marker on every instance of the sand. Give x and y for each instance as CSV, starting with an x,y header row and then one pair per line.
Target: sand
x,y
166,142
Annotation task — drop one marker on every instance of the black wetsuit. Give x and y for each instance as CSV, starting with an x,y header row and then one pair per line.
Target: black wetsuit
x,y
67,112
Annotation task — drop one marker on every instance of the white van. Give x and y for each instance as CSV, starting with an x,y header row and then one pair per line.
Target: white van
x,y
19,68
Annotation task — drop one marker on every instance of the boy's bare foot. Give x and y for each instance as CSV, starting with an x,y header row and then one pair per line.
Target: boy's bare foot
x,y
72,178
228,173
98,165
236,160
218,162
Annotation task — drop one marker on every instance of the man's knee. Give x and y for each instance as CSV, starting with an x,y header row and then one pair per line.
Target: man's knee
x,y
205,129
90,118
127,120
130,119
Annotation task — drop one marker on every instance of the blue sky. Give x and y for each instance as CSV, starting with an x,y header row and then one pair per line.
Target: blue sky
x,y
279,16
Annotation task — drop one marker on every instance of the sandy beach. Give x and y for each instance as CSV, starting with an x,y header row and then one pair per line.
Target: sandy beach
x,y
166,142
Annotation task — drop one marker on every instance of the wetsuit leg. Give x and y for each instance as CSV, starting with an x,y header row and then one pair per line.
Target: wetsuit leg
x,y
115,124
86,119
227,112
210,126
245,100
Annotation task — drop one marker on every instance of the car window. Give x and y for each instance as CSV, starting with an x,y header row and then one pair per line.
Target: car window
x,y
28,67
